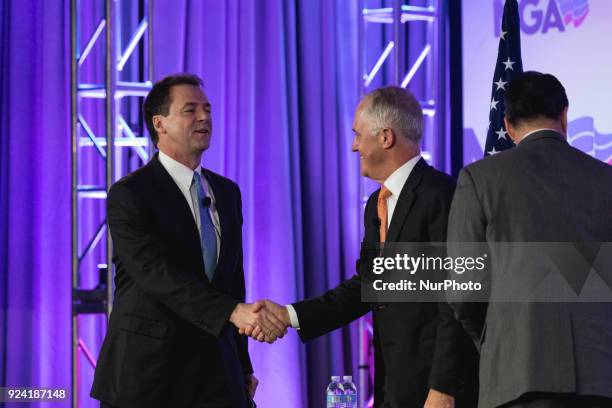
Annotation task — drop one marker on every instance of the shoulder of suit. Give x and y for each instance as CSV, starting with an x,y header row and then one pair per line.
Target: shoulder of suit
x,y
222,181
435,183
587,159
135,179
217,177
437,177
487,163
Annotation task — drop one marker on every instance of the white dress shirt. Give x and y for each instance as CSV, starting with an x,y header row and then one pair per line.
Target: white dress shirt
x,y
537,130
183,177
395,182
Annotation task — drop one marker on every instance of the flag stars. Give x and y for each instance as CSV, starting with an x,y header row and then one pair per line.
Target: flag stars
x,y
501,84
508,64
493,151
494,104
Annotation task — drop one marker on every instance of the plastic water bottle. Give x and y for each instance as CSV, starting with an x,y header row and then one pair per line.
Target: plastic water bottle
x,y
350,392
335,393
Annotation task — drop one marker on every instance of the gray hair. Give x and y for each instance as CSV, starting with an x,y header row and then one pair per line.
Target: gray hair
x,y
396,108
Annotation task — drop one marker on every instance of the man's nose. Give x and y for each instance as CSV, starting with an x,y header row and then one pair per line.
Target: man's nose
x,y
355,145
203,115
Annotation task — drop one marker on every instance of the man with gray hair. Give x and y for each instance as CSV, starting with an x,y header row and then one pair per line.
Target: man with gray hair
x,y
422,355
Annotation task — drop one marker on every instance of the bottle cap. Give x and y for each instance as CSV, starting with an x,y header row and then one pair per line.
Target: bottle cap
x,y
347,378
335,378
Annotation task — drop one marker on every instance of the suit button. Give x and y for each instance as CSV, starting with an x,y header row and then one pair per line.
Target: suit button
x,y
381,307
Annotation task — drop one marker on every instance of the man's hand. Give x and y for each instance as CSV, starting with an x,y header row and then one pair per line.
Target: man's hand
x,y
251,385
280,312
252,315
437,399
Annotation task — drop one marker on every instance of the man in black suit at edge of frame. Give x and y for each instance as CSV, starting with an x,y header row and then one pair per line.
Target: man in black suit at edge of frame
x,y
172,338
423,358
537,354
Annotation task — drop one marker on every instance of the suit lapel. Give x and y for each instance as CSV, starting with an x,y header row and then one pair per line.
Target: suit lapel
x,y
405,201
177,206
371,221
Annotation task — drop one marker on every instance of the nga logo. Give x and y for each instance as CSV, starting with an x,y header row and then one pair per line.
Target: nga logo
x,y
581,134
541,16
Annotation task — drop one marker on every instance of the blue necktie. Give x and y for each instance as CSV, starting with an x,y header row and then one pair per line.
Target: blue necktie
x,y
208,236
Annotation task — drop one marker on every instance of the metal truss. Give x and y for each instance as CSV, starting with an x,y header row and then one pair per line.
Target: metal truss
x,y
110,147
385,58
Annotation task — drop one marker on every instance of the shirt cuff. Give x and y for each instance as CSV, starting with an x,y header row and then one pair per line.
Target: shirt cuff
x,y
295,323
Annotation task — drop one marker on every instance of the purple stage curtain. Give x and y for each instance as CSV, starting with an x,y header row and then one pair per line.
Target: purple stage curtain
x,y
35,193
281,77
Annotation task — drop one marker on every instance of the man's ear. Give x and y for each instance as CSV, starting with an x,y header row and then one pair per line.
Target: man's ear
x,y
511,131
158,124
387,138
564,120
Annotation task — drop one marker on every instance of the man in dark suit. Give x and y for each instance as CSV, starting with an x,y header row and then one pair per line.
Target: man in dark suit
x,y
422,355
172,337
536,354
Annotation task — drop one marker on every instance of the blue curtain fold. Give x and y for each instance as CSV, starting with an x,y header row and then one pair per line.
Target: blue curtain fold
x,y
281,76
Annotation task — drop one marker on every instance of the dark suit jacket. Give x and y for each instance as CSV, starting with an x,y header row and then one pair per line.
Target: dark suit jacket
x,y
417,346
543,190
169,342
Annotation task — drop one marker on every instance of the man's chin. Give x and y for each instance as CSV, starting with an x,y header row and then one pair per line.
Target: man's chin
x,y
203,146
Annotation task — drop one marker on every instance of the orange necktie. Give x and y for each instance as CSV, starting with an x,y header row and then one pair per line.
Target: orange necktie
x,y
382,211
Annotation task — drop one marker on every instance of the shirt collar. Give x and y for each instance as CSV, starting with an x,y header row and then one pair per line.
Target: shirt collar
x,y
395,182
537,130
181,174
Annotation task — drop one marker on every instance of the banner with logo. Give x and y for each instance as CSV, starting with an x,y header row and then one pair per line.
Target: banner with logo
x,y
571,39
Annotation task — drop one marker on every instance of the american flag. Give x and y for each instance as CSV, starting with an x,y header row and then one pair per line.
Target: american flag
x,y
509,65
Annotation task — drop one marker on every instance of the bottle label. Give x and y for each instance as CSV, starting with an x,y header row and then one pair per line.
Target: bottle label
x,y
334,399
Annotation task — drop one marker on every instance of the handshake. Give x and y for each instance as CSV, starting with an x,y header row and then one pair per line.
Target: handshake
x,y
263,320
